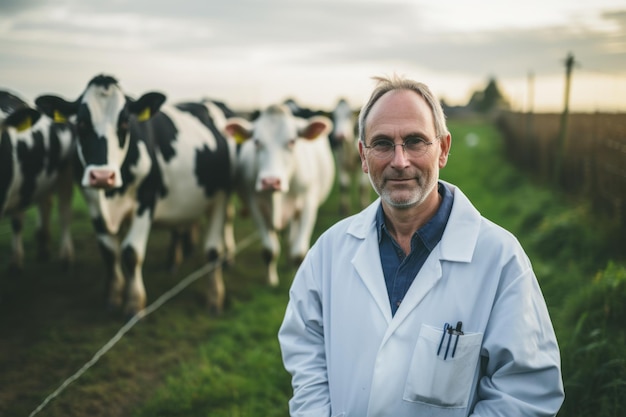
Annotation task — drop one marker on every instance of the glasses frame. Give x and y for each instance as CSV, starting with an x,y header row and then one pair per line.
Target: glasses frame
x,y
403,144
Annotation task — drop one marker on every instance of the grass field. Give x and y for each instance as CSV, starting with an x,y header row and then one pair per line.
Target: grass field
x,y
180,361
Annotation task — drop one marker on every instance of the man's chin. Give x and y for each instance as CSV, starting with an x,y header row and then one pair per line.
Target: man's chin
x,y
400,202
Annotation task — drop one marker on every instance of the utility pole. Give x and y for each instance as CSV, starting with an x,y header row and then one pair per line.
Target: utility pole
x,y
531,92
530,143
562,142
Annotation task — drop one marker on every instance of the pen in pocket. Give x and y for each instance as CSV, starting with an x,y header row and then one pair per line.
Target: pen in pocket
x,y
450,331
443,336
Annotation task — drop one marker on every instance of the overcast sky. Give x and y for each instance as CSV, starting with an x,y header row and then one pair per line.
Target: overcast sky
x,y
255,52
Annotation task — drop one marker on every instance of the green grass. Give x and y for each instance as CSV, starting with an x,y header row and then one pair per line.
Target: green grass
x,y
239,373
180,361
578,256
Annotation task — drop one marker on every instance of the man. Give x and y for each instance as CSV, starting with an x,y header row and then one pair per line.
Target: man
x,y
417,306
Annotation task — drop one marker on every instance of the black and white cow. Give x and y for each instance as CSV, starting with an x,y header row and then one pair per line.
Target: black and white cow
x,y
285,172
36,154
149,162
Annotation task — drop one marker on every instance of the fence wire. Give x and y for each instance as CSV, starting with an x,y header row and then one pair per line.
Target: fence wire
x,y
194,276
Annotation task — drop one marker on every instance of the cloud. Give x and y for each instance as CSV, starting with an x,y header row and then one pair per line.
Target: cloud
x,y
10,8
49,44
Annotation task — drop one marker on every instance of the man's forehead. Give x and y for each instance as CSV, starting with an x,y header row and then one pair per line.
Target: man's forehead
x,y
400,109
400,100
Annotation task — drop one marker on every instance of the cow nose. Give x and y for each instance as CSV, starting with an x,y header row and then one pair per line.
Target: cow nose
x,y
270,184
101,178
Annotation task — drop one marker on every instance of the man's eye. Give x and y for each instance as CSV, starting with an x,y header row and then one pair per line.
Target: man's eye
x,y
382,145
415,143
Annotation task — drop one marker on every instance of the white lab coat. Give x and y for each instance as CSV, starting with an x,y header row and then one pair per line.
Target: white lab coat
x,y
349,357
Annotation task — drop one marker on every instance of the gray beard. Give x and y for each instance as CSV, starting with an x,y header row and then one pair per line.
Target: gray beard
x,y
417,198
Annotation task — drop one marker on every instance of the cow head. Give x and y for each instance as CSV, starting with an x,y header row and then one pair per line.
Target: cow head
x,y
275,135
343,123
103,118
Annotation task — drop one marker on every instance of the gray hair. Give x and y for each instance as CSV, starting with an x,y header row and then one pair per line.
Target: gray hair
x,y
385,85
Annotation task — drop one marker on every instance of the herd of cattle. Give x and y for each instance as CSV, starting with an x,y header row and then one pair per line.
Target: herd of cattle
x,y
145,161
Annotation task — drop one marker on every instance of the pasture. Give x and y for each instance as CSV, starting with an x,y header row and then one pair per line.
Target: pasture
x,y
181,361
53,321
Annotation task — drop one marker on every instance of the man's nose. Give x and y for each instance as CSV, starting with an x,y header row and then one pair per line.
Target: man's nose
x,y
399,155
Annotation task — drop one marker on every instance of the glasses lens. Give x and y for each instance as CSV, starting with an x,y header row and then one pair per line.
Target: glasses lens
x,y
416,146
384,149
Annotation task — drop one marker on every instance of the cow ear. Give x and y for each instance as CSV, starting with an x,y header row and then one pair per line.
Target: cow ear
x,y
317,126
239,129
147,105
57,108
22,119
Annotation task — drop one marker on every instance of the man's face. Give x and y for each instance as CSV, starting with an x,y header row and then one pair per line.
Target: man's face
x,y
403,179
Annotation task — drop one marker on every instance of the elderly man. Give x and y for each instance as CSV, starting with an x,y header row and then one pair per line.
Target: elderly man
x,y
417,306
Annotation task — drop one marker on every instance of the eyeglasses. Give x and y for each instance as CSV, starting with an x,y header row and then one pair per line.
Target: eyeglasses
x,y
413,146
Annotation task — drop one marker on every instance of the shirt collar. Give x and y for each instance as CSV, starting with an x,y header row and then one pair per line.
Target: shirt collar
x,y
430,233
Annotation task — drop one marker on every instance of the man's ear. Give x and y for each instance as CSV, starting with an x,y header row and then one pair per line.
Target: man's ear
x,y
364,166
444,146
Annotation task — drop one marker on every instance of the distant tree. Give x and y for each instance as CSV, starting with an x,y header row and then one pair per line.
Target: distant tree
x,y
491,98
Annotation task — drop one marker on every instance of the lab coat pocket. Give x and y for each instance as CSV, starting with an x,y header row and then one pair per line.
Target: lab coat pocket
x,y
438,381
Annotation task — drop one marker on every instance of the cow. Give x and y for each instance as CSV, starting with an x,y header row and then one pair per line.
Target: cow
x,y
285,171
36,153
183,240
344,142
151,163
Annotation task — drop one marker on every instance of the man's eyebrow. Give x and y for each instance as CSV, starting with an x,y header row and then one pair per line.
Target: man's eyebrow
x,y
415,134
381,136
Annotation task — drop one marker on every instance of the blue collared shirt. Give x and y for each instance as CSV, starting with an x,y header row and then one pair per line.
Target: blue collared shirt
x,y
401,270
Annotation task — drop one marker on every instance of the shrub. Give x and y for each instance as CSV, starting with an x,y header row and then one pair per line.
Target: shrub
x,y
569,237
593,346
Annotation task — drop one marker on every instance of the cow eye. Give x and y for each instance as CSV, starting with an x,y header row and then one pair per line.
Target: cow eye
x,y
291,143
83,127
122,128
257,143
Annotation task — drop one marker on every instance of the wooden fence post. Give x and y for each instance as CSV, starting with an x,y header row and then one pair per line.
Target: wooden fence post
x,y
528,150
562,140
